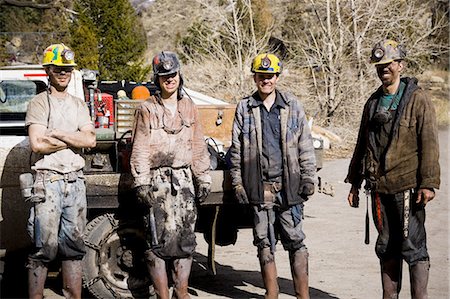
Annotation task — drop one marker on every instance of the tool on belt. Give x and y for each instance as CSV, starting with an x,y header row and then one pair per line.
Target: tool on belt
x,y
151,224
367,237
270,191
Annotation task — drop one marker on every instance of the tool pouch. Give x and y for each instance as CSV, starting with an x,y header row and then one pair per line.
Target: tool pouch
x,y
32,190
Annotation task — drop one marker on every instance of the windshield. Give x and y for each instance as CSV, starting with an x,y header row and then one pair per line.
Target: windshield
x,y
15,95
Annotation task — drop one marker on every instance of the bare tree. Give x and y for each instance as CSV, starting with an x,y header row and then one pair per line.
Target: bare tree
x,y
228,40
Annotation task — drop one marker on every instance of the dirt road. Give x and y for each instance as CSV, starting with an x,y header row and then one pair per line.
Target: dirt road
x,y
341,265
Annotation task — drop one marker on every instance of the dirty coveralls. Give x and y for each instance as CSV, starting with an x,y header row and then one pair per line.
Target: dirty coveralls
x,y
170,154
58,217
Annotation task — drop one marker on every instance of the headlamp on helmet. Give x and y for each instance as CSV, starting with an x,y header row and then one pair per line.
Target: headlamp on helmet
x,y
266,63
165,63
387,51
59,55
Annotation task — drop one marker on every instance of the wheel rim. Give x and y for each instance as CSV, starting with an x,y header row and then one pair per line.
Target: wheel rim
x,y
120,262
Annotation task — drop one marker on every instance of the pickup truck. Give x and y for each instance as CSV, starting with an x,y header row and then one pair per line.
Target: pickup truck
x,y
113,265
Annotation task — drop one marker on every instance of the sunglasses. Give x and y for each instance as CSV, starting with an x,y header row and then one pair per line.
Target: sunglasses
x,y
58,70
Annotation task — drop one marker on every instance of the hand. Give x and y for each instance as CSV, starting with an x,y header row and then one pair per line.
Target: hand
x,y
306,188
240,194
353,197
144,196
203,191
424,196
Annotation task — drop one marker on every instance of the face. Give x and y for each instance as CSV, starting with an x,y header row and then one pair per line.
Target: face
x,y
265,83
59,76
389,73
169,83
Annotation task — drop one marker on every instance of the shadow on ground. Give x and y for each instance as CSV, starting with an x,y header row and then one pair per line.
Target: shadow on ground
x,y
232,283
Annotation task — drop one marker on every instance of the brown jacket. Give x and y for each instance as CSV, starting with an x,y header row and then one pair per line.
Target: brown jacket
x,y
412,157
163,140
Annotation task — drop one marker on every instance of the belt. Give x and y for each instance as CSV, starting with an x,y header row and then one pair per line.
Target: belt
x,y
53,176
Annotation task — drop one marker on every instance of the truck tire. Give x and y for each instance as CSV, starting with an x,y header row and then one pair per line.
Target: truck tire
x,y
114,265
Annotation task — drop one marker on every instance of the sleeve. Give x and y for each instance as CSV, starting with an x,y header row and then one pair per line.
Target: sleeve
x,y
200,154
306,153
428,144
140,154
236,146
37,111
355,173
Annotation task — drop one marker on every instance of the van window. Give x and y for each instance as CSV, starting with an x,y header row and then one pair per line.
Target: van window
x,y
15,95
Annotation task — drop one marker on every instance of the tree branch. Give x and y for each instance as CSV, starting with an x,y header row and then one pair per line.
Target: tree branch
x,y
31,4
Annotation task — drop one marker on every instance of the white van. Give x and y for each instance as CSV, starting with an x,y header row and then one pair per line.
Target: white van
x,y
18,85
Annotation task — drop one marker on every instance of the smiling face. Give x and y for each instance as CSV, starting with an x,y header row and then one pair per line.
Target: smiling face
x,y
169,84
389,73
265,83
59,76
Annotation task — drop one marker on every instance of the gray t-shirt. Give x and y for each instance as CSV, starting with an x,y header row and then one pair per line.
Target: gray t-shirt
x,y
67,114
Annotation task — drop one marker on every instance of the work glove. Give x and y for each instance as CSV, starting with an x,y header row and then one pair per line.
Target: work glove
x,y
240,194
306,188
203,191
144,195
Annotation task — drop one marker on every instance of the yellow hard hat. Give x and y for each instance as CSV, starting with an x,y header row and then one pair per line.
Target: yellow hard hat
x,y
267,63
59,55
387,51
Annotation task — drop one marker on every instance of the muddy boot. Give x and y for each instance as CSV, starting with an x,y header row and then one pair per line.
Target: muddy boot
x,y
419,279
37,274
180,275
157,269
269,273
71,274
391,277
299,270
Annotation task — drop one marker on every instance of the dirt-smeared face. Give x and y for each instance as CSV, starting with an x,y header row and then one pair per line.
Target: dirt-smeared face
x,y
169,83
389,73
59,76
265,83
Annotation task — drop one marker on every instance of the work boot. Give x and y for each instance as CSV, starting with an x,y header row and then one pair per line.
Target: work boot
x,y
418,275
299,269
180,275
269,273
37,274
71,274
157,269
391,277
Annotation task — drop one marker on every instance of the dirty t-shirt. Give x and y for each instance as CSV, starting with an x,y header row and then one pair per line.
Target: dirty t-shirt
x,y
66,114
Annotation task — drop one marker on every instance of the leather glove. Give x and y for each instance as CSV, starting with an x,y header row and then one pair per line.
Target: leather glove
x,y
144,196
203,191
306,188
240,194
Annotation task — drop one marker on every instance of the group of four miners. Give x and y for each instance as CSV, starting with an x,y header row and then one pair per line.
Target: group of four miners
x,y
272,168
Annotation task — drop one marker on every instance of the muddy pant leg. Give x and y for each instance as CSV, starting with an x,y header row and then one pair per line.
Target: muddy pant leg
x,y
157,269
73,222
391,277
269,273
180,275
37,274
299,269
71,272
419,279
